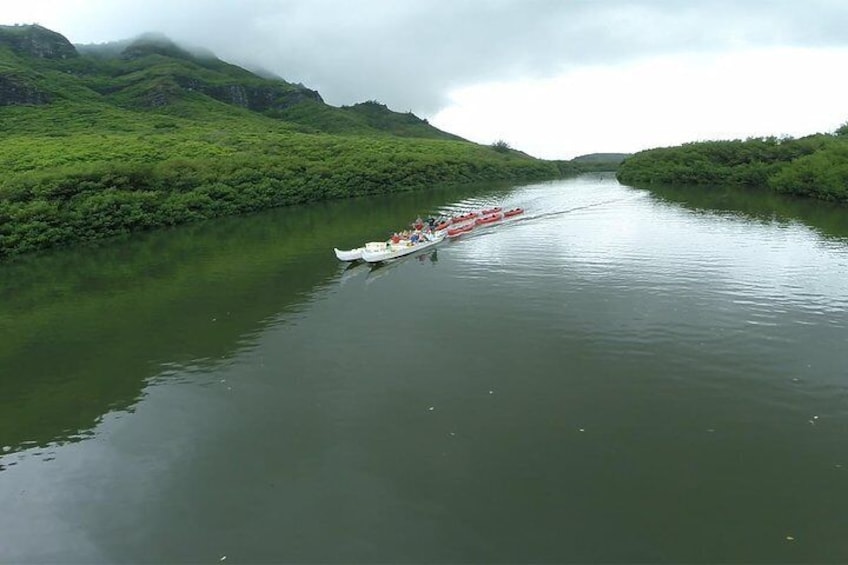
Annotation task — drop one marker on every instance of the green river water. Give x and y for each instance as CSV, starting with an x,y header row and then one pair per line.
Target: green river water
x,y
615,376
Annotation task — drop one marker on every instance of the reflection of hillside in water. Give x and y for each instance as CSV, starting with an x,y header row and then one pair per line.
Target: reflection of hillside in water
x,y
828,218
82,331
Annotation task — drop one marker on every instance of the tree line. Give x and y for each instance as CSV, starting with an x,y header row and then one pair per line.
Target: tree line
x,y
63,192
814,166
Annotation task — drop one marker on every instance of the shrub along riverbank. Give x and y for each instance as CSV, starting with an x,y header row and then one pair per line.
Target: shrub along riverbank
x,y
80,187
815,166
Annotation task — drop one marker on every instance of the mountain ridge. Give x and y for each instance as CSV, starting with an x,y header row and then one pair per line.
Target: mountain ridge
x,y
152,72
37,41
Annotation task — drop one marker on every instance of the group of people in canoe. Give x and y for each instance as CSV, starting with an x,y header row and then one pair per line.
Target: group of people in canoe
x,y
423,234
422,230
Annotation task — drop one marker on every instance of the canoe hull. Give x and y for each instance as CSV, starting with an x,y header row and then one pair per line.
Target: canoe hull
x,y
456,232
389,251
490,219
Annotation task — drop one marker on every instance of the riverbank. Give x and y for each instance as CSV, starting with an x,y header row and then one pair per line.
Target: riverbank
x,y
815,166
95,186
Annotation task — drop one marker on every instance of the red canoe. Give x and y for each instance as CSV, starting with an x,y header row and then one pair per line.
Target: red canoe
x,y
465,217
456,232
489,219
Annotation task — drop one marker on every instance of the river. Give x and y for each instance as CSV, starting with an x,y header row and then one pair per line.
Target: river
x,y
617,375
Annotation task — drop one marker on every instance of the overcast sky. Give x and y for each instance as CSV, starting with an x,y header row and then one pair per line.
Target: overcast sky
x,y
555,78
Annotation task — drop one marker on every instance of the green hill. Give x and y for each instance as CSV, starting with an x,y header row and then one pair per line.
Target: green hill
x,y
109,139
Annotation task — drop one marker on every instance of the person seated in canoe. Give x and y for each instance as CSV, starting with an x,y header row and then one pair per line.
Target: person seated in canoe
x,y
395,238
414,238
418,223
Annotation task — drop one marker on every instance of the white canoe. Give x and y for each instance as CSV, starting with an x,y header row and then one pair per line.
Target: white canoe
x,y
349,254
376,251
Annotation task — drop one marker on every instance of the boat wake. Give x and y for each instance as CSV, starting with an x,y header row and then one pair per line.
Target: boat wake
x,y
555,213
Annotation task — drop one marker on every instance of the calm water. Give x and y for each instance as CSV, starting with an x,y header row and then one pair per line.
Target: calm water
x,y
616,376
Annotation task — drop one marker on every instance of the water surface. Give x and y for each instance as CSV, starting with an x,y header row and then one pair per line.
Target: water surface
x,y
615,376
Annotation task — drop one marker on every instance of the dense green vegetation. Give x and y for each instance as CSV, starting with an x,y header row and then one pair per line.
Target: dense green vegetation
x,y
814,166
145,134
599,162
98,185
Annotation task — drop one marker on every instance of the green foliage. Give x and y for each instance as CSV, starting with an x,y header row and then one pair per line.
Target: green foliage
x,y
815,166
98,181
566,168
153,135
823,174
501,146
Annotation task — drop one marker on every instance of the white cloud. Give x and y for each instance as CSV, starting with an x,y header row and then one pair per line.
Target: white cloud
x,y
555,78
656,102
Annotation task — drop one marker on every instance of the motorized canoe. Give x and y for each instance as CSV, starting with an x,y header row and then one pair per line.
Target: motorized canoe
x,y
376,251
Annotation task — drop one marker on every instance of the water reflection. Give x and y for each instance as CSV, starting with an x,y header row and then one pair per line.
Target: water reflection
x,y
616,379
828,218
82,331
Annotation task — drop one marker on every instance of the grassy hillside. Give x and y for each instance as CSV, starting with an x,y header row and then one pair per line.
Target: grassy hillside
x,y
815,166
113,139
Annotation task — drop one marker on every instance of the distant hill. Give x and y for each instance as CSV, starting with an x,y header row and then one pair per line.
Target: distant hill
x,y
101,140
36,41
616,158
598,162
